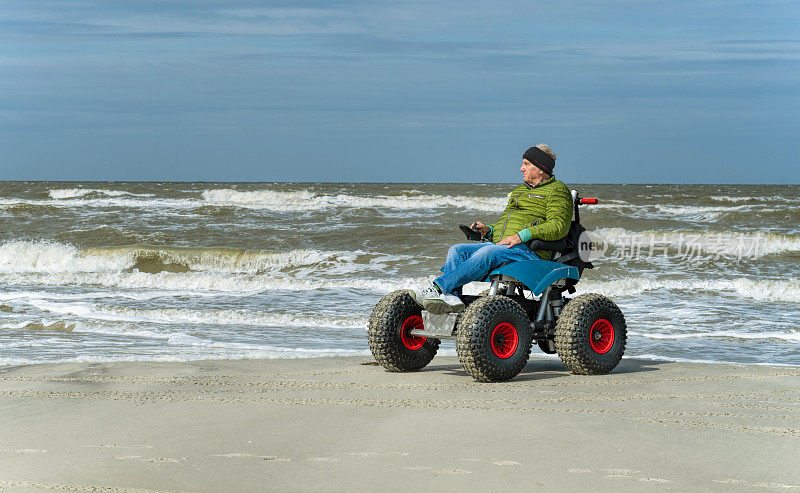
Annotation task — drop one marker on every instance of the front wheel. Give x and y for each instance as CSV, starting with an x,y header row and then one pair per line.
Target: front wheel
x,y
591,335
390,338
494,339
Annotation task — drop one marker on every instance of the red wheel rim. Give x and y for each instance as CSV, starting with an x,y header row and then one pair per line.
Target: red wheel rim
x,y
504,340
601,336
412,342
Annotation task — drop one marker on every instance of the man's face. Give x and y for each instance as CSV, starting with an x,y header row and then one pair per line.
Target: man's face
x,y
531,174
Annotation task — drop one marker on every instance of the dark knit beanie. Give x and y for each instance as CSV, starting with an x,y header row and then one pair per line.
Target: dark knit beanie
x,y
540,159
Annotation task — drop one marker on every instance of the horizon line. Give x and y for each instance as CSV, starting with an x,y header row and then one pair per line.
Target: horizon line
x,y
388,182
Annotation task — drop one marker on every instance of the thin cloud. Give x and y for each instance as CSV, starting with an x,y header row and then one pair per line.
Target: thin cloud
x,y
452,73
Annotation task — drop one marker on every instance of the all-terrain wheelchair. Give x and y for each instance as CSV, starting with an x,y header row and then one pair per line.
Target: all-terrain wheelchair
x,y
525,303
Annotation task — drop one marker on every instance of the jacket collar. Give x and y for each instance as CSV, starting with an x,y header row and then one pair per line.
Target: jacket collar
x,y
551,179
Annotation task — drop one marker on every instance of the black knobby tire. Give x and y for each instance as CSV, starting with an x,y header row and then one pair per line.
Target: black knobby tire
x,y
389,339
494,339
591,335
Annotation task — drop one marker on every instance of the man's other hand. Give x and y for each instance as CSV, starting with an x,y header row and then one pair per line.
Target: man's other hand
x,y
510,241
480,227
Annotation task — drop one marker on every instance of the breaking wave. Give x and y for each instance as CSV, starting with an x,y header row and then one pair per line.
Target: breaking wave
x,y
746,244
59,326
71,193
785,290
304,200
268,200
308,201
690,213
52,257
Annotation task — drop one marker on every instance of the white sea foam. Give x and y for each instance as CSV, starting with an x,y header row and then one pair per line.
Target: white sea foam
x,y
187,270
207,282
28,344
752,244
184,340
268,200
265,199
658,357
690,213
164,206
726,334
302,200
92,311
70,193
182,346
202,353
782,290
15,297
698,213
771,198
307,201
50,257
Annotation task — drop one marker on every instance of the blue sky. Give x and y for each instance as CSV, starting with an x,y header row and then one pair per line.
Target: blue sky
x,y
455,91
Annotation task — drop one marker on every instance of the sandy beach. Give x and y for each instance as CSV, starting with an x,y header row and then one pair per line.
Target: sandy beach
x,y
338,424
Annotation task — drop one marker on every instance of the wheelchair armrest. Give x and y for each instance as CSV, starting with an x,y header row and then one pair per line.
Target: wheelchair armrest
x,y
549,246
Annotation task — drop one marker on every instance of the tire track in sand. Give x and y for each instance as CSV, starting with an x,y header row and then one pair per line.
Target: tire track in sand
x,y
37,485
409,403
236,381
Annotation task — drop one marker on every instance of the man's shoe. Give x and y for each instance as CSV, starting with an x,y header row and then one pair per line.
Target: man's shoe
x,y
443,303
432,299
420,294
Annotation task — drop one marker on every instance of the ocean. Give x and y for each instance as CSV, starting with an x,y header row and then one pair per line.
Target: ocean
x,y
184,271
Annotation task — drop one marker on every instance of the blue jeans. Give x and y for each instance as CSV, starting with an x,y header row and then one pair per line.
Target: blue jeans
x,y
467,262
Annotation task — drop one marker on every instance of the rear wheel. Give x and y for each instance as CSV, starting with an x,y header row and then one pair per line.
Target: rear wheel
x,y
494,339
390,338
591,335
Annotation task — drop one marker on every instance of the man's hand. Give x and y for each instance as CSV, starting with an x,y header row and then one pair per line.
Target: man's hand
x,y
510,241
480,227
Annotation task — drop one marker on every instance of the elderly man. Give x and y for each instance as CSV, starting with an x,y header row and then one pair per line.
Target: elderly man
x,y
539,208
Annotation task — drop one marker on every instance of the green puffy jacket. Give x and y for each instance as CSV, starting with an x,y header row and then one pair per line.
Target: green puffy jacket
x,y
545,210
